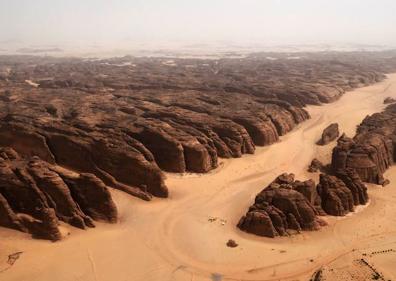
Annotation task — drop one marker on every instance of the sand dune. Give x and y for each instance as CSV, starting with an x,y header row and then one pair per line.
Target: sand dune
x,y
173,239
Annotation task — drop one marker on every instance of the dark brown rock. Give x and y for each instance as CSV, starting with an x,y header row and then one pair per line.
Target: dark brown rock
x,y
289,205
352,181
388,100
118,161
34,196
7,216
283,207
308,189
125,119
231,243
337,199
329,134
315,166
258,222
372,150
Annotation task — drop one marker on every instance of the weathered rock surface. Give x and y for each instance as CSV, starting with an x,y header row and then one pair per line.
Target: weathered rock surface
x,y
283,206
34,195
337,199
287,206
340,193
128,119
372,150
353,182
329,134
121,122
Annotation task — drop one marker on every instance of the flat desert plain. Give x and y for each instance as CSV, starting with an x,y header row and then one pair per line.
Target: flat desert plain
x,y
184,236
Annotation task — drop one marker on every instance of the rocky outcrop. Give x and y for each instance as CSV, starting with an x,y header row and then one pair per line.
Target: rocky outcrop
x,y
283,207
35,194
337,199
315,166
388,100
120,161
231,243
127,119
329,134
372,150
308,189
340,193
353,182
287,206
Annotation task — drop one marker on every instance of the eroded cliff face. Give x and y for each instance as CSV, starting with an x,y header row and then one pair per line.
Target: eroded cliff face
x,y
372,150
35,195
128,119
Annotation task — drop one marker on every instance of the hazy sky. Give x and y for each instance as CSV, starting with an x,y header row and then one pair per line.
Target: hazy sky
x,y
259,21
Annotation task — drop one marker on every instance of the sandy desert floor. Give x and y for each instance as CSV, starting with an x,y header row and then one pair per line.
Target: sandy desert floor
x,y
184,237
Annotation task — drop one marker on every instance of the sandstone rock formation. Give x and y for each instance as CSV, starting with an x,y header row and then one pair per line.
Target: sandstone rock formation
x,y
286,205
337,199
283,206
315,166
329,134
353,182
121,122
34,195
126,119
371,151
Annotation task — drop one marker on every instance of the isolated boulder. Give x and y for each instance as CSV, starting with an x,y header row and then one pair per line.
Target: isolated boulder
x,y
352,181
329,134
128,119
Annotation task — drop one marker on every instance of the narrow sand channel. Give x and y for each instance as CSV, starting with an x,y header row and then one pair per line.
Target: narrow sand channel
x,y
172,239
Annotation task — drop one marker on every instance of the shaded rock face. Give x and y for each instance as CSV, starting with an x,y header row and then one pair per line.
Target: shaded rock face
x,y
128,119
285,205
372,150
120,161
329,134
35,195
337,199
353,182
